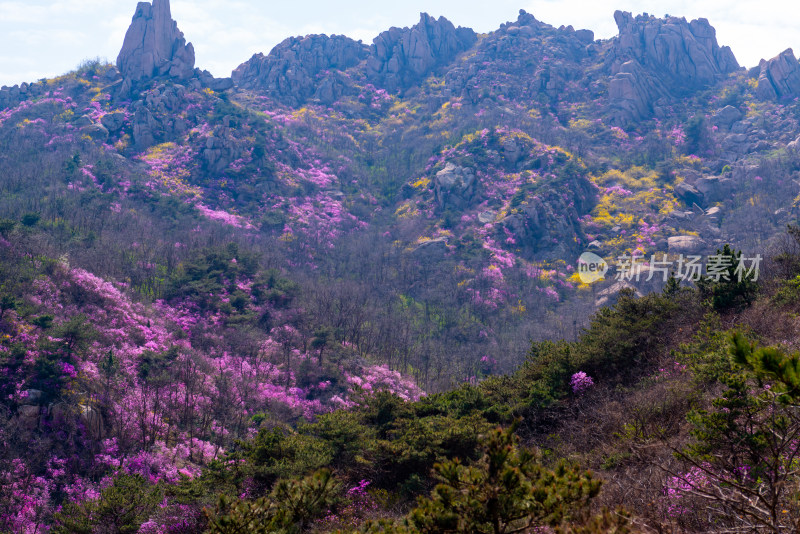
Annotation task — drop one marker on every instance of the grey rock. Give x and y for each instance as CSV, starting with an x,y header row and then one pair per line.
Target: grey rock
x,y
221,149
301,67
144,127
610,295
82,121
585,36
220,84
432,249
725,117
512,151
113,121
689,194
686,244
714,188
399,57
154,46
97,132
714,214
455,186
761,146
671,56
679,215
34,395
779,77
112,74
741,127
486,217
533,58
215,84
92,421
633,91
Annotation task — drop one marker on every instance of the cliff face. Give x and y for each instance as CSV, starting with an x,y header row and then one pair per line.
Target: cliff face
x,y
154,46
654,58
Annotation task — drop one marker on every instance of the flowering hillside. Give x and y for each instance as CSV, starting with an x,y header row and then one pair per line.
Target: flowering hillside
x,y
304,298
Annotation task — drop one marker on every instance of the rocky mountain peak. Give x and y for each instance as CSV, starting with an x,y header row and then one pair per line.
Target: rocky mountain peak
x,y
683,52
291,72
154,46
654,58
401,56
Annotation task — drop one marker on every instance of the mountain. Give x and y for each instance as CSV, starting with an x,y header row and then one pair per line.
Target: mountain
x,y
340,255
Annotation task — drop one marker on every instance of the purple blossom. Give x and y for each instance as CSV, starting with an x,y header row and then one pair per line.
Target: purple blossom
x,y
581,382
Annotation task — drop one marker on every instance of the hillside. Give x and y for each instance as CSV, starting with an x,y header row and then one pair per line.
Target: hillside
x,y
353,262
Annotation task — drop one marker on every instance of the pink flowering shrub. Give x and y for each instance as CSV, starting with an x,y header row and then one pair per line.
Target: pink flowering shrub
x,y
172,399
580,382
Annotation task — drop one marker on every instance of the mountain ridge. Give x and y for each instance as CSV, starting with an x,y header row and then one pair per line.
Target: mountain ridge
x,y
222,285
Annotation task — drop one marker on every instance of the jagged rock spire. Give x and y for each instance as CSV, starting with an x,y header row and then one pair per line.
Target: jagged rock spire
x,y
662,58
779,77
154,46
403,56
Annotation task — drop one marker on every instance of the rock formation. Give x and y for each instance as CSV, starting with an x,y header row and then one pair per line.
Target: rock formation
x,y
548,223
154,118
524,59
154,46
632,91
779,77
725,117
402,56
296,69
455,186
652,58
686,244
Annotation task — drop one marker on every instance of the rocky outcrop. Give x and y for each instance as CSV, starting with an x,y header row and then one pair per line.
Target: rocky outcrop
x,y
302,68
714,188
725,117
220,150
548,225
92,422
686,244
455,186
779,77
610,295
215,84
113,122
155,116
12,96
432,249
634,92
400,57
652,58
154,46
524,60
689,194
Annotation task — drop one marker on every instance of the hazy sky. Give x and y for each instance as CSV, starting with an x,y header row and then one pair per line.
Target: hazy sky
x,y
44,38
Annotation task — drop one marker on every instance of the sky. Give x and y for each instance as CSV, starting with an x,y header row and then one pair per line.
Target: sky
x,y
46,38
